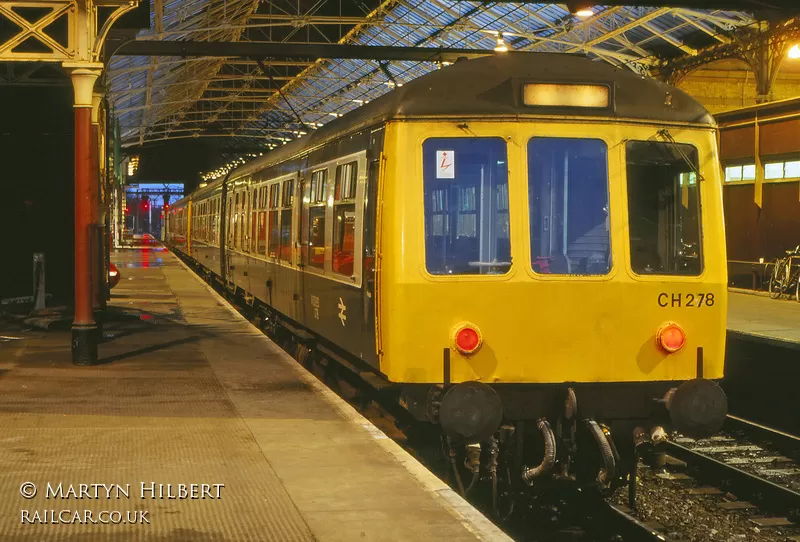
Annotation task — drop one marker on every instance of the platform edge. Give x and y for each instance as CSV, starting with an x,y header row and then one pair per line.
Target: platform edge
x,y
472,519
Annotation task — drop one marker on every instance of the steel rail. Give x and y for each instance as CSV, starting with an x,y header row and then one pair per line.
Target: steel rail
x,y
631,529
785,442
773,496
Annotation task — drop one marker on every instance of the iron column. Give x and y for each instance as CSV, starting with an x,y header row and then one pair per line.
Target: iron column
x,y
84,328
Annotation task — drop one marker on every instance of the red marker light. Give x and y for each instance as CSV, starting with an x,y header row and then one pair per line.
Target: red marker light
x,y
468,339
671,337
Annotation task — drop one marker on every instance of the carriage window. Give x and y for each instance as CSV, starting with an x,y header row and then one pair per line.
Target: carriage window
x,y
274,234
344,218
346,177
319,184
316,219
287,198
253,244
316,241
236,221
466,206
262,233
568,206
663,208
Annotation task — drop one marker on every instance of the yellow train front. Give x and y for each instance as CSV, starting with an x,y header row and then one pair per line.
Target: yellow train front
x,y
542,243
572,255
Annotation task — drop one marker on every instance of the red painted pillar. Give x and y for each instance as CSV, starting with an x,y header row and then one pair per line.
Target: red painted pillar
x,y
84,328
94,207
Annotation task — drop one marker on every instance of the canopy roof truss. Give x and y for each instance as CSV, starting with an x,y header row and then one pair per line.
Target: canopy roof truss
x,y
268,101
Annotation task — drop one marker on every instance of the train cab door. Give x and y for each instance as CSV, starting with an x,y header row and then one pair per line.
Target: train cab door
x,y
370,237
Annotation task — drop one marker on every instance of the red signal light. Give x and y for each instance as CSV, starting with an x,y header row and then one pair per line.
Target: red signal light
x,y
468,339
671,337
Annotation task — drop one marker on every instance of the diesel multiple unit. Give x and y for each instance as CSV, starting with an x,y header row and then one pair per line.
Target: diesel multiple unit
x,y
517,238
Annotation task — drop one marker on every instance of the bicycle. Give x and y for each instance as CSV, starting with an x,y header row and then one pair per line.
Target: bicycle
x,y
783,279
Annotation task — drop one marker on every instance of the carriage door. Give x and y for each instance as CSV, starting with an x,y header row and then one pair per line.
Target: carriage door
x,y
229,242
370,237
301,243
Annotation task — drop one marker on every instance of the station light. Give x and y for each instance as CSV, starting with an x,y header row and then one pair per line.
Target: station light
x,y
794,52
501,46
581,10
133,165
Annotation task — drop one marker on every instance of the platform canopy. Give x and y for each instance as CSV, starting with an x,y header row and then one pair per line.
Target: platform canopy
x,y
262,73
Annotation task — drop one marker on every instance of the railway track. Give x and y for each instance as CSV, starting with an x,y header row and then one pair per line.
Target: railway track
x,y
632,529
746,464
745,481
780,440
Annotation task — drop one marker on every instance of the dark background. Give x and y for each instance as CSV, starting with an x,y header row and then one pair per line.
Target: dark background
x,y
36,188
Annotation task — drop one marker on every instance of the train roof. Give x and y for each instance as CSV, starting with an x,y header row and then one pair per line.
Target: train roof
x,y
492,86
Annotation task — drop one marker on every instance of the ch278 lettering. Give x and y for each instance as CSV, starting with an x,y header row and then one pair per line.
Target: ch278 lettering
x,y
685,300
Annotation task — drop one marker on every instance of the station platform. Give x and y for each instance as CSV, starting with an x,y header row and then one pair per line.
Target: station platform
x,y
189,392
758,317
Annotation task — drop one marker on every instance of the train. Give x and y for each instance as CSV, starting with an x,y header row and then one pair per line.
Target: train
x,y
525,252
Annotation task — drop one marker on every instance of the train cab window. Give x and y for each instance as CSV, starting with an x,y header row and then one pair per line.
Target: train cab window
x,y
568,206
316,219
272,249
287,199
344,218
663,208
466,206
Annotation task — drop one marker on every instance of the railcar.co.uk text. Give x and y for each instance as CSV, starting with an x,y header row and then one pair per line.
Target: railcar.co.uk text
x,y
144,491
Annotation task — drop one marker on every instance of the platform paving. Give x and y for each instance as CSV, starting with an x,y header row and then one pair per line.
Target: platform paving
x,y
762,317
188,392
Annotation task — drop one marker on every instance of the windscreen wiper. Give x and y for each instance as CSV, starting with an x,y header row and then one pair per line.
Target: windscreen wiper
x,y
671,140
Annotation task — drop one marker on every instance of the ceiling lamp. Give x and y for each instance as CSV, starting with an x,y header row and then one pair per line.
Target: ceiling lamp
x,y
501,46
580,10
794,52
